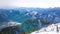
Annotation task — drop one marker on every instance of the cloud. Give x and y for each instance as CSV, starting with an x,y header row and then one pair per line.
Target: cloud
x,y
30,3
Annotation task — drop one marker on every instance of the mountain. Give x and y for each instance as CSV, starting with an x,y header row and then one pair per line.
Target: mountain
x,y
43,16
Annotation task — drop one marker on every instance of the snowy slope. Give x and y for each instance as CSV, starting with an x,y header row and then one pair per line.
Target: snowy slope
x,y
51,29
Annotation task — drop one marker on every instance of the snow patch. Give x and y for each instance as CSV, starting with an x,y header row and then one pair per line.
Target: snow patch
x,y
9,24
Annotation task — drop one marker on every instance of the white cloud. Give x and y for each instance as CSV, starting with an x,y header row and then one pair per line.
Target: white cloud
x,y
31,3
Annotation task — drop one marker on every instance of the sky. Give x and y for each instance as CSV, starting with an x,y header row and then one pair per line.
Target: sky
x,y
30,3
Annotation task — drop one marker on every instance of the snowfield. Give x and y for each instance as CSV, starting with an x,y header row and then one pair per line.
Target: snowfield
x,y
45,32
51,29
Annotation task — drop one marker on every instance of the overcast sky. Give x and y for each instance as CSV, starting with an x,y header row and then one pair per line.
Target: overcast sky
x,y
30,3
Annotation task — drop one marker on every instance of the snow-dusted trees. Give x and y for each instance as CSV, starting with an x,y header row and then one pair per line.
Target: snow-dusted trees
x,y
12,30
